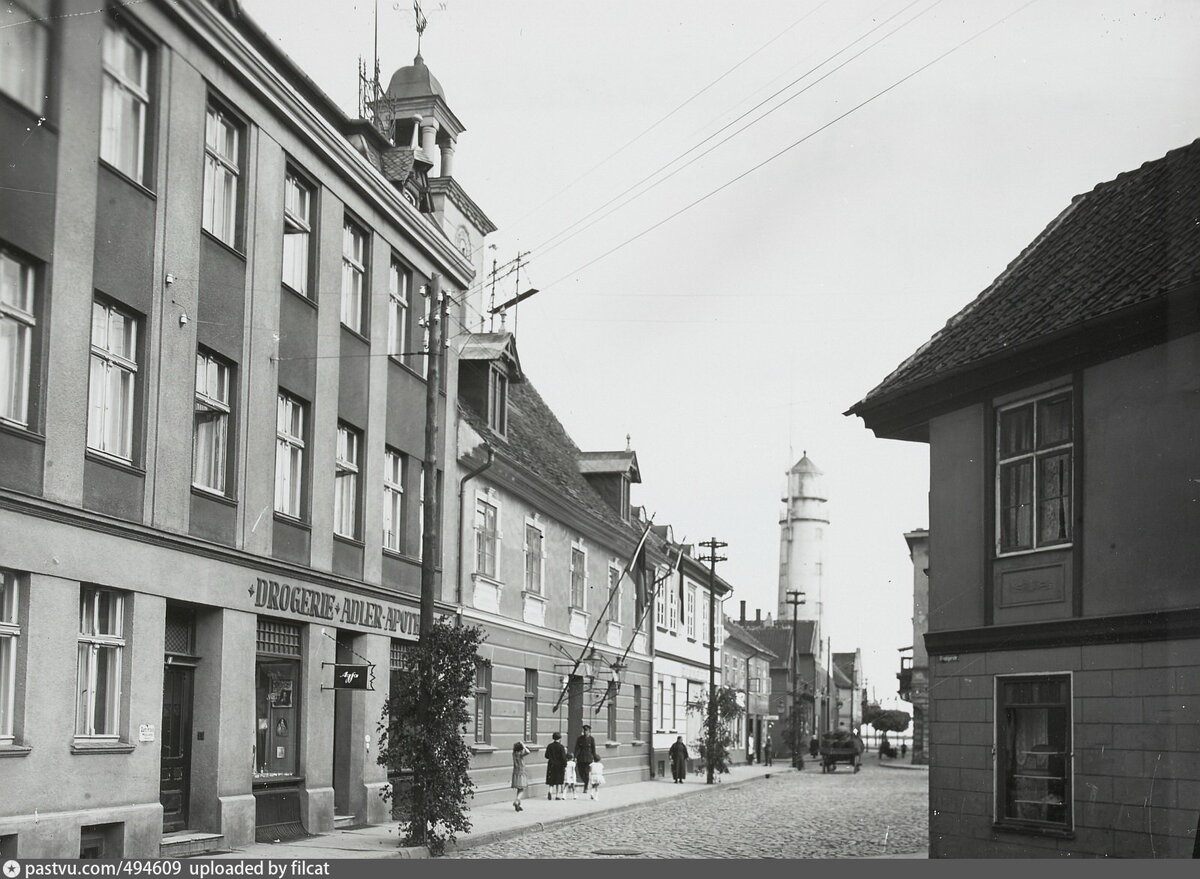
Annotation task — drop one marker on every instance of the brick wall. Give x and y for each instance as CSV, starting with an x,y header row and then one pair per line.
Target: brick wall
x,y
1136,743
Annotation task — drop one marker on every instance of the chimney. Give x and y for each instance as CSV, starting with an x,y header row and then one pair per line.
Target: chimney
x,y
768,619
758,614
743,610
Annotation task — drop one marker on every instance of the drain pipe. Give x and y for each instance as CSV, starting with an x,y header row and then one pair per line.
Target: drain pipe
x,y
462,487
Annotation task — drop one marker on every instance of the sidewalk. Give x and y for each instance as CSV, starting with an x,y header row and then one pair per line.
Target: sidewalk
x,y
498,821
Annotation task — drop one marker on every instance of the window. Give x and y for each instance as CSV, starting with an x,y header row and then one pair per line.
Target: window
x,y
398,284
579,577
659,596
210,445
426,327
531,704
111,381
421,516
289,456
624,499
534,554
662,703
394,464
222,144
691,612
612,711
487,535
354,275
277,698
10,630
101,645
124,102
483,701
672,607
613,614
297,231
637,712
24,50
1035,443
498,402
345,482
674,706
1033,750
17,324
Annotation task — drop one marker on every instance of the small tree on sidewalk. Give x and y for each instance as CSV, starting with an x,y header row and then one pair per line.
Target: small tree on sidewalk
x,y
728,711
434,807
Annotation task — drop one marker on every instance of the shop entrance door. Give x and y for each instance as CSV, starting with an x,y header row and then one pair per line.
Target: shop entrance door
x,y
343,714
176,732
574,711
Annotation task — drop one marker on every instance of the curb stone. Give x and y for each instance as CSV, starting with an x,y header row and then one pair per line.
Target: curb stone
x,y
474,841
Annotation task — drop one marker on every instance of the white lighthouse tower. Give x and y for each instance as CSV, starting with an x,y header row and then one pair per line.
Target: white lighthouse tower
x,y
801,545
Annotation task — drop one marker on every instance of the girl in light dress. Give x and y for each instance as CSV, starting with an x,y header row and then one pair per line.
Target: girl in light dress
x,y
571,780
597,778
520,778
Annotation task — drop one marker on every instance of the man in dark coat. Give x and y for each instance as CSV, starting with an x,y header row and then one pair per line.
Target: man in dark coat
x,y
556,767
585,755
679,758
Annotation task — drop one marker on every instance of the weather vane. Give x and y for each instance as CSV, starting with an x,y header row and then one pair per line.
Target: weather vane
x,y
422,22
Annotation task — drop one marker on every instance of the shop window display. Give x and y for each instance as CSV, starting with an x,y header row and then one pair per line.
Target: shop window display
x,y
277,701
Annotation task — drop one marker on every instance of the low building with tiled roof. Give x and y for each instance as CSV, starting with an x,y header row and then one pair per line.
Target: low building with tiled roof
x,y
1062,411
547,567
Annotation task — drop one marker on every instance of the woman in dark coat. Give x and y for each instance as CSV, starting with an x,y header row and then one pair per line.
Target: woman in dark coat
x,y
556,768
679,758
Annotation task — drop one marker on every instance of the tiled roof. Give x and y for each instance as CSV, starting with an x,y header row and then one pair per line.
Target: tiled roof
x,y
735,631
777,637
843,669
538,443
1127,241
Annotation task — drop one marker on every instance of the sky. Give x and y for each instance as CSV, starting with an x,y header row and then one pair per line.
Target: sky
x,y
743,216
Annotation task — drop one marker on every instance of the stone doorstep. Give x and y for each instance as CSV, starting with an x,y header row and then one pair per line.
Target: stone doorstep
x,y
473,840
187,843
343,822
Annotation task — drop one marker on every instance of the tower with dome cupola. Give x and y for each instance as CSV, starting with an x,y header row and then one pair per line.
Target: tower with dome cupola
x,y
802,526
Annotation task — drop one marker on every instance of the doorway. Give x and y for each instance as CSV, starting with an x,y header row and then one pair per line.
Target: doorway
x,y
574,711
176,765
343,716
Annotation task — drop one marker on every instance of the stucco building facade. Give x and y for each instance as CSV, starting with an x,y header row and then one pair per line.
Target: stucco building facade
x,y
213,381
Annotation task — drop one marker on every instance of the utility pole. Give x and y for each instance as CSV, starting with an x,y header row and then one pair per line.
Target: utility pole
x,y
432,515
795,599
712,545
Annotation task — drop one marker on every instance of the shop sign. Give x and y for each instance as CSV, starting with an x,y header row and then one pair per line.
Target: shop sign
x,y
322,604
352,677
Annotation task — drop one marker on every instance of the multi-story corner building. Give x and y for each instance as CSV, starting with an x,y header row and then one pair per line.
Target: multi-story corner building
x,y
747,661
547,567
914,669
212,392
848,687
1060,408
681,650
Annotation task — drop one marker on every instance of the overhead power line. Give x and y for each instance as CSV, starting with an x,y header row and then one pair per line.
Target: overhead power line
x,y
788,148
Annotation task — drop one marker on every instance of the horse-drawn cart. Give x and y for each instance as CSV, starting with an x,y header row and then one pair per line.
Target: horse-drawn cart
x,y
840,746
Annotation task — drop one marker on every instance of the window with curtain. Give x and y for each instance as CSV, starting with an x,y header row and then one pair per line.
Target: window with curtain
x,y
222,175
297,232
18,323
394,464
345,482
354,276
124,101
291,415
101,651
112,380
210,442
24,54
1033,750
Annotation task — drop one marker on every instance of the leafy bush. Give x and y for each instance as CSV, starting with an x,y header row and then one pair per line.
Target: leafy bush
x,y
727,712
422,733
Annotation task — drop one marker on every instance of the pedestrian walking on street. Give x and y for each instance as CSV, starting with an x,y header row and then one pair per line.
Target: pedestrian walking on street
x,y
768,751
520,778
596,777
903,750
585,755
572,778
814,747
679,758
556,767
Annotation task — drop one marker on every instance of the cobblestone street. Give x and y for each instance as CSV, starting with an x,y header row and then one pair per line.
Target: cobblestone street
x,y
795,815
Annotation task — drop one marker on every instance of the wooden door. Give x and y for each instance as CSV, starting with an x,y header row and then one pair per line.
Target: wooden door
x,y
176,731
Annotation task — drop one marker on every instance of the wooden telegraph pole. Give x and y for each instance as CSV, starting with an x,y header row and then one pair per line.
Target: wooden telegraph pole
x,y
795,599
712,545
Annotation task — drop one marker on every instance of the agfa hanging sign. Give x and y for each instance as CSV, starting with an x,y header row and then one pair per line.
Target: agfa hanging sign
x,y
352,677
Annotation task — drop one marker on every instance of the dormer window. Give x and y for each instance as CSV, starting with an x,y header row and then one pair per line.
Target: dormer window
x,y
498,402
